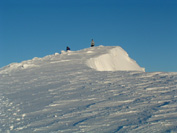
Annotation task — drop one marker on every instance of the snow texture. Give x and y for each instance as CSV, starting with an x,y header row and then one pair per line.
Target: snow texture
x,y
114,60
98,90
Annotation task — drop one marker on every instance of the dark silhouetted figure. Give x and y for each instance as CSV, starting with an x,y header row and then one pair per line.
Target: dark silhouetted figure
x,y
92,43
67,48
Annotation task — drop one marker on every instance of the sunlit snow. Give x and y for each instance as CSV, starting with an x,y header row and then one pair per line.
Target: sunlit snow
x,y
99,89
115,59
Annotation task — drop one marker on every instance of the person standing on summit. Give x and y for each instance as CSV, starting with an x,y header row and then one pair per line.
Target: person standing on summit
x,y
92,43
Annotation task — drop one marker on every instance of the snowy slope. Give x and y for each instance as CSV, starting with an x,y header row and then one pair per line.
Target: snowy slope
x,y
64,93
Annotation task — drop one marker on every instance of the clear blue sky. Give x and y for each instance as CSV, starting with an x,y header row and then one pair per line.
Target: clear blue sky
x,y
146,29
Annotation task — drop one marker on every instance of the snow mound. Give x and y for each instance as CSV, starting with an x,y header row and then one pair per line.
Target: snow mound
x,y
115,59
102,58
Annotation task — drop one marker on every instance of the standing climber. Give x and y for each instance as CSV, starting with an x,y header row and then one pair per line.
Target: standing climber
x,y
67,48
92,43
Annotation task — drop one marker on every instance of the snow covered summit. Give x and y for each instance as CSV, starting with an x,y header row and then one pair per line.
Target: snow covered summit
x,y
102,58
83,91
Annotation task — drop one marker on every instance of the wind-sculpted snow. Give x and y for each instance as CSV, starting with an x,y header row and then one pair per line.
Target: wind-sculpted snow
x,y
99,58
114,60
62,94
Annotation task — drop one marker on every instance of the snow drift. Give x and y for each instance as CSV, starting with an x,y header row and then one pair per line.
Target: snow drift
x,y
115,60
102,58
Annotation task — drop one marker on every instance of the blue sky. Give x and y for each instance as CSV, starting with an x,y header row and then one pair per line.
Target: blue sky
x,y
146,29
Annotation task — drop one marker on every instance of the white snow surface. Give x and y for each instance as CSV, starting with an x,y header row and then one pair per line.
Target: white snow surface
x,y
115,59
98,89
